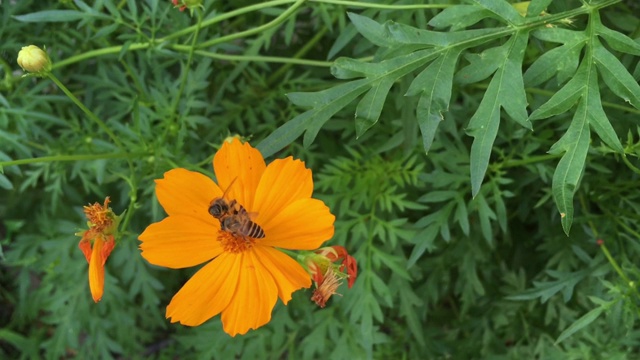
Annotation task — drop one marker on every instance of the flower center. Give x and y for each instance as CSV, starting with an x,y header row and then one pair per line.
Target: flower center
x,y
234,243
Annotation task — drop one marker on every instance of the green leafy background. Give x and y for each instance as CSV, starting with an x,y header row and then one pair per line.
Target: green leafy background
x,y
473,152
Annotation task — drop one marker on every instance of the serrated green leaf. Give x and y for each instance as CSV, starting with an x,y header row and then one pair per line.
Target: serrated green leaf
x,y
545,290
347,68
5,183
424,241
569,170
104,31
114,11
616,76
459,17
512,95
322,114
564,98
483,127
409,35
502,9
482,65
559,35
379,79
618,41
392,263
562,60
325,104
579,324
501,209
345,37
51,16
324,97
486,215
434,83
596,116
506,89
284,135
370,107
461,215
437,196
133,8
536,7
372,30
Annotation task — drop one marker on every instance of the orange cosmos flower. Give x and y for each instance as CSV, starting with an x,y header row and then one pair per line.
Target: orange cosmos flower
x,y
236,225
103,227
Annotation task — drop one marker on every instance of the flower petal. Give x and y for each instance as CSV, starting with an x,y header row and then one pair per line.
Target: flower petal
x,y
181,241
186,192
85,246
96,270
255,297
283,182
303,225
238,168
208,292
288,273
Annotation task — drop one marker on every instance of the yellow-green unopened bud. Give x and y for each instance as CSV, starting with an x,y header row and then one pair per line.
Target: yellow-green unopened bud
x,y
34,60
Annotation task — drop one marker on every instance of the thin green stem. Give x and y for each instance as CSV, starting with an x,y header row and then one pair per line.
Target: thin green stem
x,y
106,129
79,157
615,265
300,53
87,112
185,75
100,52
364,5
262,28
216,19
254,58
629,164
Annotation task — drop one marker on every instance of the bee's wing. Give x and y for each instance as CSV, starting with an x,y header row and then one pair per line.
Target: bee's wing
x,y
252,215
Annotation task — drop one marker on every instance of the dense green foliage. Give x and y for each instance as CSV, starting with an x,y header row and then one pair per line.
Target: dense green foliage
x,y
475,229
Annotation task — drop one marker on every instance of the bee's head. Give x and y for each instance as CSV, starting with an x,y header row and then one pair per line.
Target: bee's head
x,y
218,208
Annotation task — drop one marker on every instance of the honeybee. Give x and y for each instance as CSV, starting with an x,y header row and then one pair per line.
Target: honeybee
x,y
234,218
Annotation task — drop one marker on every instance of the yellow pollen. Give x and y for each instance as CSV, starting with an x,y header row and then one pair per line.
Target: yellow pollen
x,y
99,215
234,244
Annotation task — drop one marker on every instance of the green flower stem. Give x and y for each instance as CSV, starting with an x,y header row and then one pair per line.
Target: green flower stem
x,y
262,28
216,19
359,4
79,157
86,110
100,52
132,181
139,46
300,53
192,48
629,164
254,58
615,265
185,74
